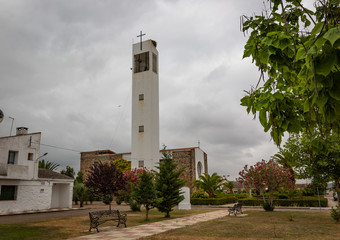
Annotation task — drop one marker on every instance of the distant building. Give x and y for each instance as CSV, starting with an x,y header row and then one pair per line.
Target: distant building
x,y
193,159
23,186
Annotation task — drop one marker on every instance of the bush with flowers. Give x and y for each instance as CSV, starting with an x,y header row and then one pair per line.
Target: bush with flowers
x,y
266,175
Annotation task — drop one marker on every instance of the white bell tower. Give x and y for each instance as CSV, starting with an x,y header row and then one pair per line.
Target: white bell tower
x,y
145,105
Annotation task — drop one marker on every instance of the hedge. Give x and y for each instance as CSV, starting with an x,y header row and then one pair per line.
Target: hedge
x,y
213,201
298,202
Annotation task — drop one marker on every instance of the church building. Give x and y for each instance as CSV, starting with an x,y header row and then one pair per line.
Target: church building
x,y
145,147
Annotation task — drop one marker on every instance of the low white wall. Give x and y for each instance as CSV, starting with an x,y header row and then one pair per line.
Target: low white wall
x,y
31,195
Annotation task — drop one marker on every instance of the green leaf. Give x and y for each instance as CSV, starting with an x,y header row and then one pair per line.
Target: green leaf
x,y
335,91
306,106
301,54
294,126
284,43
278,95
321,101
263,117
317,28
332,35
324,64
320,42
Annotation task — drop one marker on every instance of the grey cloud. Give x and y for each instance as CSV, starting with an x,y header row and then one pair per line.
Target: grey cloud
x,y
65,67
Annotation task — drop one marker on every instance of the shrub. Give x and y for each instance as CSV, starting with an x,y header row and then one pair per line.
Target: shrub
x,y
251,201
199,193
134,206
307,192
298,202
282,196
268,207
213,201
335,214
241,195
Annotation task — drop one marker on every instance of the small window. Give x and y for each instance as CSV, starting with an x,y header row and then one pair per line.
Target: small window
x,y
141,129
141,62
12,157
140,164
30,156
154,63
199,168
141,97
8,193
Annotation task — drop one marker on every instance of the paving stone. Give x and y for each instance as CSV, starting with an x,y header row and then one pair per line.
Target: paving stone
x,y
137,232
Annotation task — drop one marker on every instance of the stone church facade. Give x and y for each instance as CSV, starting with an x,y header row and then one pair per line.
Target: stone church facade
x,y
193,159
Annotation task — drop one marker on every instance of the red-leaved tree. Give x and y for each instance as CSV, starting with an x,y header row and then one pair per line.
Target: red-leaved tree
x,y
105,179
266,175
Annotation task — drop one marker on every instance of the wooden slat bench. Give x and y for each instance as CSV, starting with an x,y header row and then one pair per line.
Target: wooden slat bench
x,y
99,217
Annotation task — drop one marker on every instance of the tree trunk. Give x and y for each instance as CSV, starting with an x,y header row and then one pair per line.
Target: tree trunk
x,y
337,189
147,213
271,197
167,214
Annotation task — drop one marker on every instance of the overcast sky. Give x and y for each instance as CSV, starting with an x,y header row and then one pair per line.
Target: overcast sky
x,y
65,72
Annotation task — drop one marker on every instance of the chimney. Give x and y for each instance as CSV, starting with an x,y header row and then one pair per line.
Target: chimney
x,y
22,131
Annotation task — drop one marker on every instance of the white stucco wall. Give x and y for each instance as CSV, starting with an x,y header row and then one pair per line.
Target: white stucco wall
x,y
31,195
61,195
199,157
23,168
145,145
38,195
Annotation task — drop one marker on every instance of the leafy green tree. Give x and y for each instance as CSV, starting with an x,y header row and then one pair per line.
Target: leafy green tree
x,y
122,165
69,171
80,192
168,184
316,157
48,165
297,53
144,193
105,180
80,177
209,183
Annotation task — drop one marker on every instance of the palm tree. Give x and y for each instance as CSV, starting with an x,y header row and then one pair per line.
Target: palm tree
x,y
229,185
209,183
286,160
48,165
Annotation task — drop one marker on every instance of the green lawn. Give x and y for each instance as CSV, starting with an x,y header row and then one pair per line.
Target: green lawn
x,y
63,228
257,225
261,225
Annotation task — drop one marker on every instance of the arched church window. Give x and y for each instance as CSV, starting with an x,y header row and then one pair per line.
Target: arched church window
x,y
199,168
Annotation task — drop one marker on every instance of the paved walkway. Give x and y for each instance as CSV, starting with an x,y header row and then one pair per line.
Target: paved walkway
x,y
136,232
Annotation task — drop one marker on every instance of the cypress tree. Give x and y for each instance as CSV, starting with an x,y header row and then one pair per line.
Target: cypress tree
x,y
144,192
168,184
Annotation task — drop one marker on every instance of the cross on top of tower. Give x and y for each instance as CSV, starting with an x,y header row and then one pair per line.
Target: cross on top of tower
x,y
141,36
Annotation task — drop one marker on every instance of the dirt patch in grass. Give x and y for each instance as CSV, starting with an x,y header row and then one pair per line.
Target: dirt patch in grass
x,y
260,225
